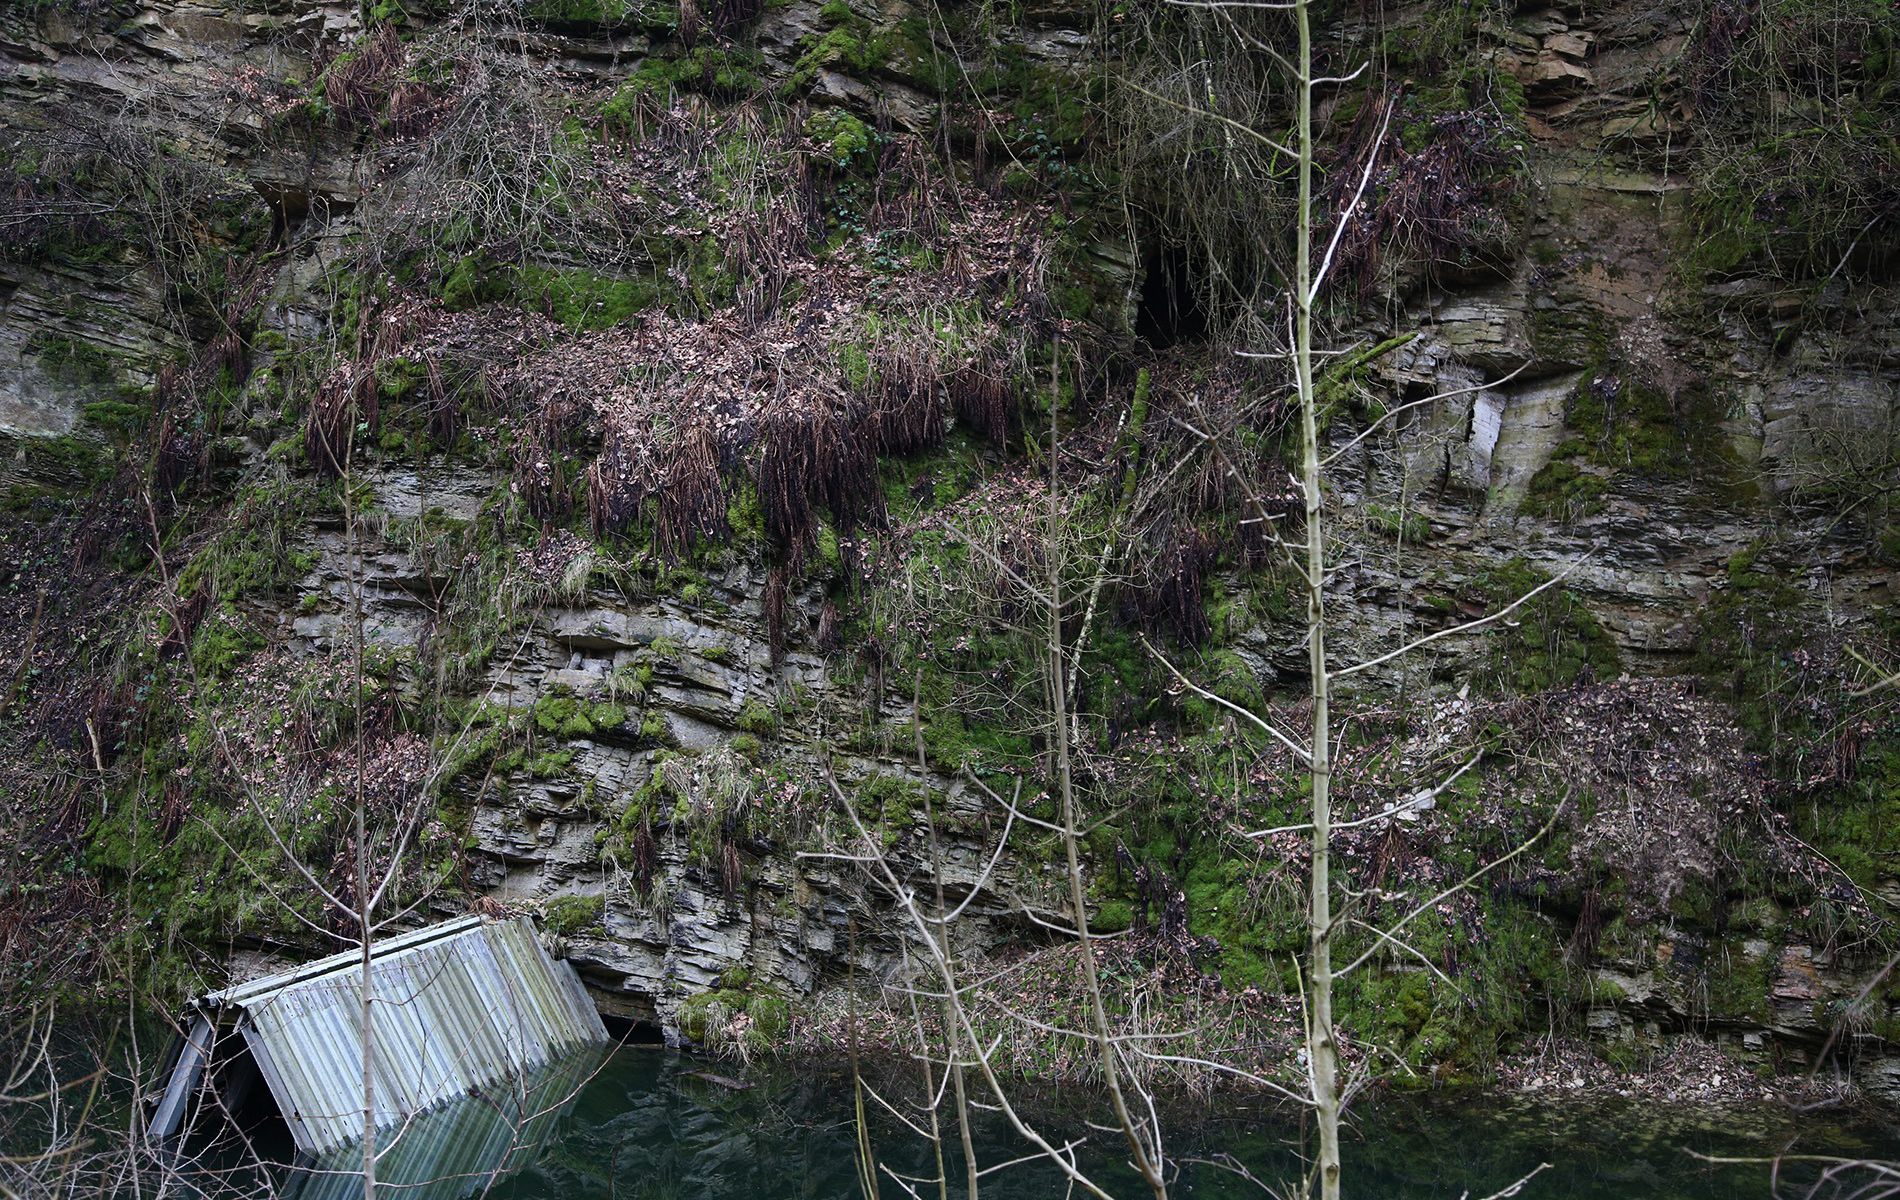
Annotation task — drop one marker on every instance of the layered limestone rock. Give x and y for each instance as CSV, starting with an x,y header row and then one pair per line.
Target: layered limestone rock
x,y
789,918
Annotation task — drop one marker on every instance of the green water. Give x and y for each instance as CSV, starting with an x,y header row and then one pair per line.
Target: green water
x,y
642,1125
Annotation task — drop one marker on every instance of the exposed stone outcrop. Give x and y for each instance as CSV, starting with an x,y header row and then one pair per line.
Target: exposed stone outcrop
x,y
1731,402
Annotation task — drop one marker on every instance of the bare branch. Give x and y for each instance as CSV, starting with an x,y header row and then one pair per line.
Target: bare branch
x,y
1467,627
1411,404
1345,215
1454,889
1249,130
1514,1189
1256,720
1414,803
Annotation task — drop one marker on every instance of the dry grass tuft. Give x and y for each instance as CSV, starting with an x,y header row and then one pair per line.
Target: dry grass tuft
x,y
358,83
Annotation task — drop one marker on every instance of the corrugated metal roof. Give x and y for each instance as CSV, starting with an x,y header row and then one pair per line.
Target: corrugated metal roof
x,y
452,1007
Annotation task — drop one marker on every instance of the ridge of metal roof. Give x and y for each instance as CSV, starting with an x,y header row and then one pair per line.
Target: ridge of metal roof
x,y
240,994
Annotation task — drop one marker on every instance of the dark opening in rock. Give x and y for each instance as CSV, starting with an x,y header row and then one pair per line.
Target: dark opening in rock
x,y
634,1033
288,208
1171,310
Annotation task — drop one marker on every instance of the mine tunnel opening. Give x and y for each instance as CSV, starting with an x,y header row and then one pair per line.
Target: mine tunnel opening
x,y
1172,307
632,1031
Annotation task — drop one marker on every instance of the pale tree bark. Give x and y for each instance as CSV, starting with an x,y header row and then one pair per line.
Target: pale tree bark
x,y
1322,1050
953,1044
365,898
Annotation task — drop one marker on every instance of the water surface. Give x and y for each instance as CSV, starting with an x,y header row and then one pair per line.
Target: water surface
x,y
646,1124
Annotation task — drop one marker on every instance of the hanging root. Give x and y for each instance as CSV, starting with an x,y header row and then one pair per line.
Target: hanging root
x,y
616,486
646,859
849,482
760,256
830,639
692,501
908,201
777,585
1168,593
227,355
818,458
185,619
179,455
981,397
784,474
541,476
348,397
357,86
730,13
681,485
731,872
418,109
445,415
173,810
902,393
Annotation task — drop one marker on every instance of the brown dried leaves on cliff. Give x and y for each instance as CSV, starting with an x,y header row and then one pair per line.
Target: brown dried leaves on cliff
x,y
837,345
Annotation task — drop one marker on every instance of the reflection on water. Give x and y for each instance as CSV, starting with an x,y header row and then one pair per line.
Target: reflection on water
x,y
460,1149
647,1125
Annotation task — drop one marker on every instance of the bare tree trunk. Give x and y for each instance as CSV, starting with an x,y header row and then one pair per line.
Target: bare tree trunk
x,y
1321,1050
1111,1075
953,1044
365,898
369,1055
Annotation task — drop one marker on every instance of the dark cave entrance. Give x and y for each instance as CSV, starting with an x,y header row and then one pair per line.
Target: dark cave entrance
x,y
632,1031
1171,309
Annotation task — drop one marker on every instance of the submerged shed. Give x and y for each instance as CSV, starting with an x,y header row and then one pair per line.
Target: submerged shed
x,y
453,1007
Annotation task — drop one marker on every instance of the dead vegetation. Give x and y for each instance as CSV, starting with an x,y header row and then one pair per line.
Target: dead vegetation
x,y
471,155
792,396
1685,1071
1662,790
1441,190
1672,788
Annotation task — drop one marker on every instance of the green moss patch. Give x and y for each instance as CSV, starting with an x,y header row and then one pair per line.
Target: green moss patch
x,y
571,915
582,300
1553,641
758,1018
1621,428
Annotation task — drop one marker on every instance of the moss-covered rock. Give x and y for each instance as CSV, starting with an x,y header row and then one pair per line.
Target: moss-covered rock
x,y
567,916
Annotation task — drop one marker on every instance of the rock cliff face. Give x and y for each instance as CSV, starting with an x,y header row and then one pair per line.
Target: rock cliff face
x,y
628,720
